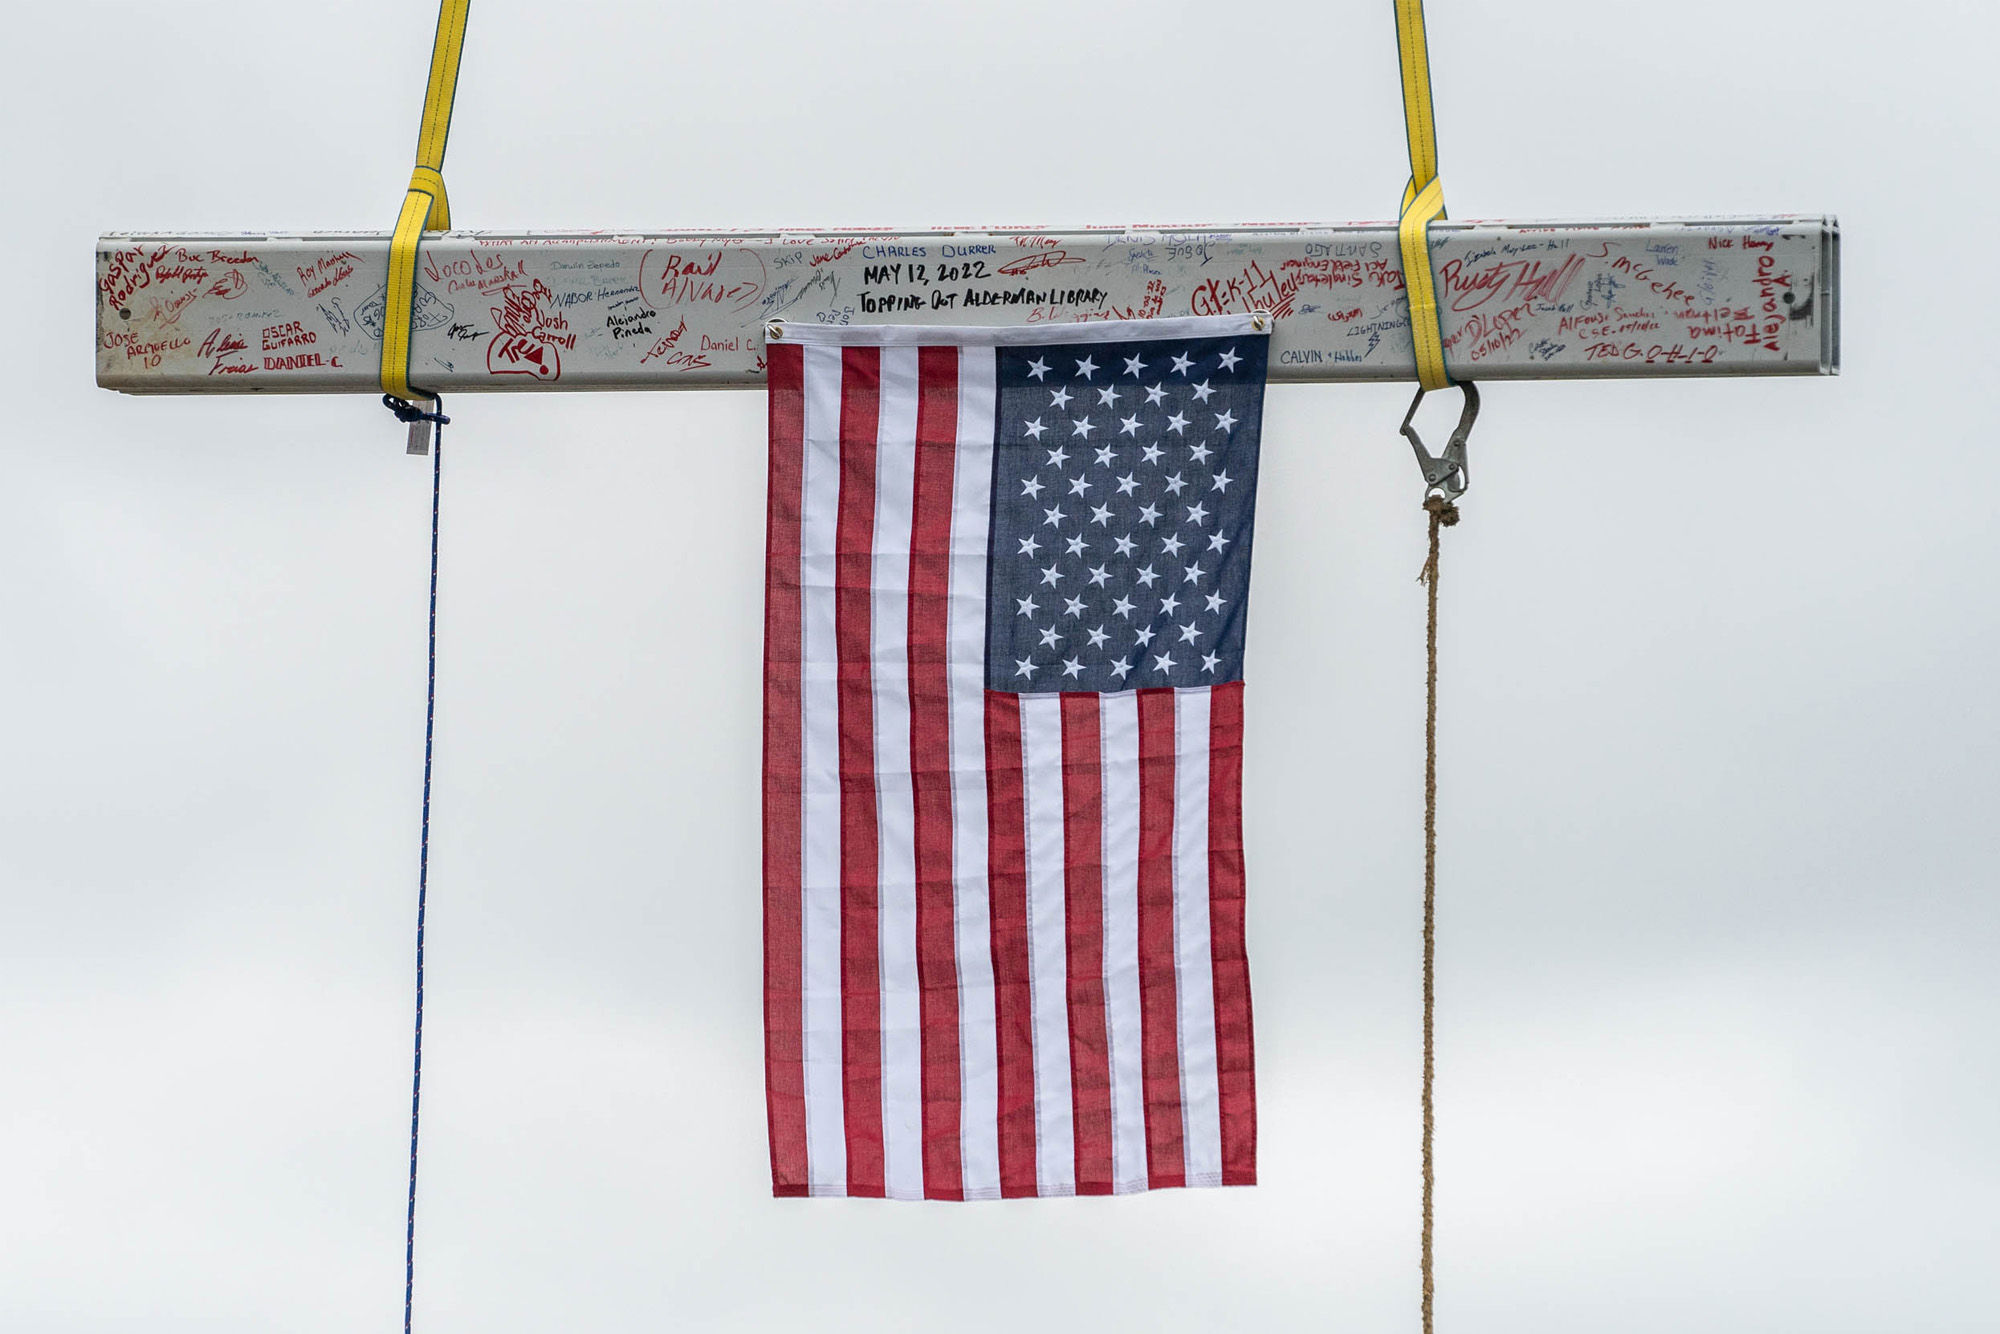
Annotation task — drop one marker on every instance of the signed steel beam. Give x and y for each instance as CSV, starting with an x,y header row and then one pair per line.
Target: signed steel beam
x,y
523,311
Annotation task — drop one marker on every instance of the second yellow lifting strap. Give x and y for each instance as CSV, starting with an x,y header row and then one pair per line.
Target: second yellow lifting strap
x,y
1423,198
425,207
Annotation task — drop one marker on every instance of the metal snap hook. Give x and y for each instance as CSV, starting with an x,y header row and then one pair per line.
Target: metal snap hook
x,y
1446,473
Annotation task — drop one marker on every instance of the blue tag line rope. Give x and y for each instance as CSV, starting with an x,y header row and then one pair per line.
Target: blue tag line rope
x,y
407,412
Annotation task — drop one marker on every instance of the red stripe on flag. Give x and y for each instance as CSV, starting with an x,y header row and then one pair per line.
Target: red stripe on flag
x,y
930,765
1166,1163
1083,901
1235,1048
1007,878
860,939
784,871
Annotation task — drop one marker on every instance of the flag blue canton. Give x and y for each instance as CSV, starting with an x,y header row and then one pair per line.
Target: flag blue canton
x,y
1124,497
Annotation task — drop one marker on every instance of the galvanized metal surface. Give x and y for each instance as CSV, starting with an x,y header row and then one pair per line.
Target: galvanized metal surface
x,y
499,311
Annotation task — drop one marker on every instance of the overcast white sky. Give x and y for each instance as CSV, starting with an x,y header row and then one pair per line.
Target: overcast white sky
x,y
1720,732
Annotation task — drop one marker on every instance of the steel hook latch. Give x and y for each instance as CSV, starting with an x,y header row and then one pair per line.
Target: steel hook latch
x,y
1445,473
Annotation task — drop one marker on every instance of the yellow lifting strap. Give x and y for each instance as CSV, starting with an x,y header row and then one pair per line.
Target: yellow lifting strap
x,y
1423,198
425,207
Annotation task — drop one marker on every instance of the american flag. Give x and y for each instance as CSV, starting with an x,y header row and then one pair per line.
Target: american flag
x,y
1003,675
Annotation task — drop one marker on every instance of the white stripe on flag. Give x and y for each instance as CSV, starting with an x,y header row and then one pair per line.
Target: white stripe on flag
x,y
972,487
1194,960
826,1132
1120,746
1048,943
895,800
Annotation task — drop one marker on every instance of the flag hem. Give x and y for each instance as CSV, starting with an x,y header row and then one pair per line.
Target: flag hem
x,y
1007,335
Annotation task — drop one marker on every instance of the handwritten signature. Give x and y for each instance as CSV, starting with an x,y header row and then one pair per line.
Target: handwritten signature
x,y
1047,259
